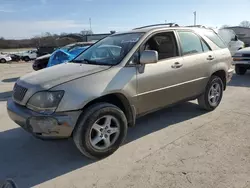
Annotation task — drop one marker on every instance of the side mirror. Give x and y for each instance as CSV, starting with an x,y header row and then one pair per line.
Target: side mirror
x,y
8,184
235,38
148,57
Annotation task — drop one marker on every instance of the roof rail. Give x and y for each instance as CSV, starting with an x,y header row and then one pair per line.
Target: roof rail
x,y
199,26
165,24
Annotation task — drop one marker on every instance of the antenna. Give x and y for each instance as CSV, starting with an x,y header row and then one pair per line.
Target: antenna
x,y
90,27
195,18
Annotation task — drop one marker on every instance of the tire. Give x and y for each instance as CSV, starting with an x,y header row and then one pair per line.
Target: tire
x,y
240,70
83,131
3,61
26,58
204,100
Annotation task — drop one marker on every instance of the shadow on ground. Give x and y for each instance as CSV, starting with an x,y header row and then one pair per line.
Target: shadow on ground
x,y
9,80
30,161
4,96
240,81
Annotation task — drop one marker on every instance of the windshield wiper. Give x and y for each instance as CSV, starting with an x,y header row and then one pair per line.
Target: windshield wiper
x,y
89,62
80,61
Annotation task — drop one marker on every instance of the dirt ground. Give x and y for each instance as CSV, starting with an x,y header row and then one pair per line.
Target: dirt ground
x,y
179,147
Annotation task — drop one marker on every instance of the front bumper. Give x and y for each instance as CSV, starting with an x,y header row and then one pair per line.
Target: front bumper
x,y
246,62
230,73
55,126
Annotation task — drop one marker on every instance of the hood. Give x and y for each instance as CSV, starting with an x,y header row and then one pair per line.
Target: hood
x,y
50,77
44,57
4,55
244,50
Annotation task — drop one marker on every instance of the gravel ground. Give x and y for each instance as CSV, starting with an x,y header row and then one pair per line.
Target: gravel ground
x,y
177,147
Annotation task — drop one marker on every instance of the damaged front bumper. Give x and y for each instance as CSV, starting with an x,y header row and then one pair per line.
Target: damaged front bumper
x,y
55,126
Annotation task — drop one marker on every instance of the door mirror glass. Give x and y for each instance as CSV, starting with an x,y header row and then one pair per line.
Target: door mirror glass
x,y
8,184
148,57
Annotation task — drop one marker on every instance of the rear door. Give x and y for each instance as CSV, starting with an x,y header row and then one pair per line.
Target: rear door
x,y
197,60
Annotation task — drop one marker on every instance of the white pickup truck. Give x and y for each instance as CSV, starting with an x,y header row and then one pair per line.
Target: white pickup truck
x,y
231,40
29,55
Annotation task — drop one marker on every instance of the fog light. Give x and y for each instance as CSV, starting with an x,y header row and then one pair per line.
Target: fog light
x,y
42,123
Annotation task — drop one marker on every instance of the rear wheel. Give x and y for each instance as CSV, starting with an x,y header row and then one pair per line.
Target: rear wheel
x,y
100,130
213,94
2,60
240,70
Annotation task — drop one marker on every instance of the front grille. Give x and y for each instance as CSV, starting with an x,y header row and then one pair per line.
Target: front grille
x,y
19,92
245,55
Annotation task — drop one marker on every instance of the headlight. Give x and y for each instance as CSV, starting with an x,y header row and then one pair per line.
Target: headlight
x,y
45,102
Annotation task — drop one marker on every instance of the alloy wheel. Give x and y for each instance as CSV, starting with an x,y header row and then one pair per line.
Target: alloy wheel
x,y
214,94
104,132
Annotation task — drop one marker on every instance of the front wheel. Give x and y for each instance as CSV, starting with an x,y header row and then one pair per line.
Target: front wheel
x,y
213,94
100,130
2,61
26,59
240,70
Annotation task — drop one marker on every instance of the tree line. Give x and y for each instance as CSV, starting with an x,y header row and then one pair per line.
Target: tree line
x,y
242,24
56,40
46,39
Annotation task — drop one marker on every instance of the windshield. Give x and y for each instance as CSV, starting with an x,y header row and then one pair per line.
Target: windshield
x,y
109,51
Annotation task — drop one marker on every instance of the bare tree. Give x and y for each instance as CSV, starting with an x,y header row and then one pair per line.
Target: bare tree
x,y
224,26
245,24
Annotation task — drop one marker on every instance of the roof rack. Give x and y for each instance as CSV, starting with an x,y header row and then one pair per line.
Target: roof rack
x,y
199,26
165,24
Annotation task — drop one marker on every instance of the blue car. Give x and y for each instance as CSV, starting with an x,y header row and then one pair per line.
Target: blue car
x,y
63,55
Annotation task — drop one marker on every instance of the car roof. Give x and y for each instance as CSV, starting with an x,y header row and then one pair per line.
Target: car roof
x,y
160,27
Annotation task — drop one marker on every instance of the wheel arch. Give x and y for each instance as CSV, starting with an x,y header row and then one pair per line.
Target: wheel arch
x,y
3,59
118,100
222,74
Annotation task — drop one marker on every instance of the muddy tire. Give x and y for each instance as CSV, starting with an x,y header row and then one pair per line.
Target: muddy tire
x,y
211,99
100,130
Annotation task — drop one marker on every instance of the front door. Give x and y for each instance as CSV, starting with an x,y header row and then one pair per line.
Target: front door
x,y
158,83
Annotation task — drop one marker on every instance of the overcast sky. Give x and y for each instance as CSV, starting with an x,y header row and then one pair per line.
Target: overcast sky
x,y
27,18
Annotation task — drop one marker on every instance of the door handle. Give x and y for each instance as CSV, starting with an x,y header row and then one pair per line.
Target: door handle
x,y
177,65
210,58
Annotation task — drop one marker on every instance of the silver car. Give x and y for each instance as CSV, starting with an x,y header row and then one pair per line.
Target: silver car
x,y
97,96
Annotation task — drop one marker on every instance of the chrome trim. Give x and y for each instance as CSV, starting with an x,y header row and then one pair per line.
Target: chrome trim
x,y
147,92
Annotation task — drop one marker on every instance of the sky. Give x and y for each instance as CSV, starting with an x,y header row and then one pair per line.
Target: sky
x,y
28,18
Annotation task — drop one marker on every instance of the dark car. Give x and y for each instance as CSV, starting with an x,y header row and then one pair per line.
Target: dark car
x,y
15,57
41,62
44,50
